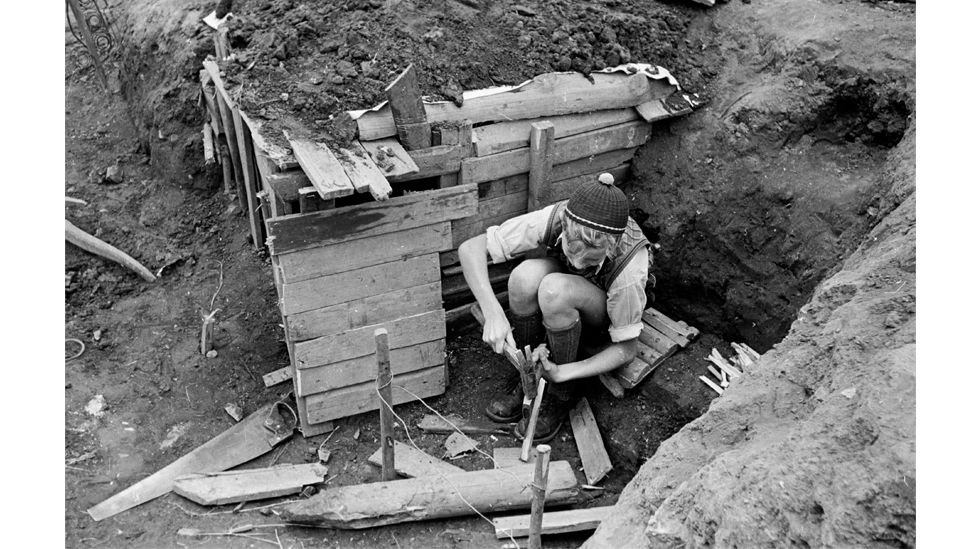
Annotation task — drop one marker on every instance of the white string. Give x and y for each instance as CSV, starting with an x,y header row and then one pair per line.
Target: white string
x,y
440,474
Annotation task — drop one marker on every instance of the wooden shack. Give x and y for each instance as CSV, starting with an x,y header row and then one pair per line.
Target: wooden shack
x,y
366,236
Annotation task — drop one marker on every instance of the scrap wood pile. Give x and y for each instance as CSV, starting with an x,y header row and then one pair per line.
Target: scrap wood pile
x,y
363,228
729,369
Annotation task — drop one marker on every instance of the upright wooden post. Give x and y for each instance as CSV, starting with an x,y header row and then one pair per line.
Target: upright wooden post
x,y
384,380
409,114
541,138
533,420
539,485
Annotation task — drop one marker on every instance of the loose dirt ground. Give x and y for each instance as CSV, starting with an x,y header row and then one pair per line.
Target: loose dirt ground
x,y
755,201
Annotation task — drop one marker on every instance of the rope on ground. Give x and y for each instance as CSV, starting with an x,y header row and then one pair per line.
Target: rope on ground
x,y
442,475
80,352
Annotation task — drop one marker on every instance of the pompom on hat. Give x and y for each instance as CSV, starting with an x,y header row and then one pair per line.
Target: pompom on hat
x,y
599,205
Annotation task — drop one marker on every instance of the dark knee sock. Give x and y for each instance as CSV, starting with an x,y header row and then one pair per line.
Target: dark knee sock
x,y
563,346
527,329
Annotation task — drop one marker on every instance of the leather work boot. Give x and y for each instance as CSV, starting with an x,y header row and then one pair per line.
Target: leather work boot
x,y
507,406
552,415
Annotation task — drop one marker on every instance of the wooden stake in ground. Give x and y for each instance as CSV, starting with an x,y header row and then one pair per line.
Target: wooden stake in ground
x,y
96,246
409,114
384,381
539,486
533,420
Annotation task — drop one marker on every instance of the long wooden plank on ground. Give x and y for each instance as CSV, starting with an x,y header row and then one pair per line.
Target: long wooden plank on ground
x,y
241,443
246,148
675,330
411,462
322,168
507,136
425,498
390,157
435,424
317,293
363,252
497,166
248,484
363,172
361,312
403,332
657,341
631,374
596,462
298,232
357,399
336,375
553,522
550,94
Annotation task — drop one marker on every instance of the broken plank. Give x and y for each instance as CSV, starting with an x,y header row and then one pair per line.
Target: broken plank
x,y
506,458
434,424
241,443
711,384
298,232
363,172
659,320
280,375
403,332
320,292
208,144
631,374
363,252
280,157
596,462
459,443
553,522
425,498
567,149
364,311
550,94
657,341
322,168
612,384
360,398
345,373
411,462
407,109
434,161
507,136
658,109
390,157
248,484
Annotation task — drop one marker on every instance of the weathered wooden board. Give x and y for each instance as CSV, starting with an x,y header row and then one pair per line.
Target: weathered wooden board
x,y
407,109
506,458
298,232
553,522
434,161
612,384
248,484
425,498
280,157
678,331
251,185
287,184
403,332
541,143
391,158
567,149
631,374
657,341
363,172
208,144
357,399
596,462
507,136
658,109
648,354
230,136
332,376
357,313
322,168
317,293
550,94
464,231
278,376
363,252
411,462
434,424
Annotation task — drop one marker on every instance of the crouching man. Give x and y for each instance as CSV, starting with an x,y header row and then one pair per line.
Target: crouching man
x,y
584,280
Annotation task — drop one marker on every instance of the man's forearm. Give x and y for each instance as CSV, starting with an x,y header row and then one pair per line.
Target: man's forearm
x,y
609,359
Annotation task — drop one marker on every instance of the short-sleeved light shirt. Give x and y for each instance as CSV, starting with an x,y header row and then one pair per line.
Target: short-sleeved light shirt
x,y
626,299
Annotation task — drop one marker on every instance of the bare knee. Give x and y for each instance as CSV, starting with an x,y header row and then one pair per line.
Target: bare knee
x,y
523,284
554,294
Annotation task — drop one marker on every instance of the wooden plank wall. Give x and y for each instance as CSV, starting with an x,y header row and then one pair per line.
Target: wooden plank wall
x,y
343,273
